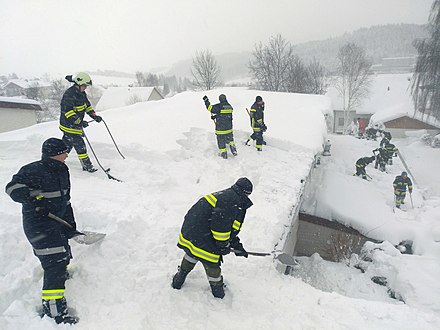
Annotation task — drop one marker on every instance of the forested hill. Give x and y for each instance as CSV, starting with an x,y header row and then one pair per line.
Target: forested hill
x,y
393,40
379,41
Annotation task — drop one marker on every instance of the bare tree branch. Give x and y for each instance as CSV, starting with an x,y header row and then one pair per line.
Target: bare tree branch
x,y
353,77
205,71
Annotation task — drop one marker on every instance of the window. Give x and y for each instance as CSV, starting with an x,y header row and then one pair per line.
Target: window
x,y
341,121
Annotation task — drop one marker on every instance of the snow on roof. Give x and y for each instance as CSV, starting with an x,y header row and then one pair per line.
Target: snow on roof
x,y
388,92
26,83
18,100
116,97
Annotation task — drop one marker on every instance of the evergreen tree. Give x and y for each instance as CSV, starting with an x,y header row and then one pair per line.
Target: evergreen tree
x,y
426,78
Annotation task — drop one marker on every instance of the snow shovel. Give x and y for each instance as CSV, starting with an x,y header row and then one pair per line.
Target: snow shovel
x,y
86,237
283,258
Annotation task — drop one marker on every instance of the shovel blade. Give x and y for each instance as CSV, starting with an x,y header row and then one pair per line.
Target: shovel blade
x,y
286,259
89,237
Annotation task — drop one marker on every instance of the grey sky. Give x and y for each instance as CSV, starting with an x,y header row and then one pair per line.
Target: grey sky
x,y
66,36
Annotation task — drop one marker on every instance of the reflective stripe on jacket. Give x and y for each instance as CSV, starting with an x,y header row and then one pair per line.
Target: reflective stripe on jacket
x,y
74,105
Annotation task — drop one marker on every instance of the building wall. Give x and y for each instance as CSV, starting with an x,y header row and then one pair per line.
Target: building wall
x,y
12,119
326,240
13,90
155,96
338,120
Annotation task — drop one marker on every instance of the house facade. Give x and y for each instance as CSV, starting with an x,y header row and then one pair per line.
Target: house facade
x,y
17,113
20,87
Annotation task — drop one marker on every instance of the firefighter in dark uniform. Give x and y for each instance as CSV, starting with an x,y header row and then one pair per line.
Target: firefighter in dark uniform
x,y
392,151
74,105
221,113
385,139
361,163
42,187
381,158
400,183
210,230
257,122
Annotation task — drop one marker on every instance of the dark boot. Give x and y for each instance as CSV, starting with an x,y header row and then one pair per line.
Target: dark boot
x,y
87,165
57,309
179,278
224,155
218,289
233,150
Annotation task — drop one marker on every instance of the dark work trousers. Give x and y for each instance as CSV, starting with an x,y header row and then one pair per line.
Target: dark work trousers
x,y
213,271
258,137
360,171
55,270
76,141
225,139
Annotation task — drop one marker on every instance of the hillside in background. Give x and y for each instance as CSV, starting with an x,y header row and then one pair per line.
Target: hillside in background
x,y
393,40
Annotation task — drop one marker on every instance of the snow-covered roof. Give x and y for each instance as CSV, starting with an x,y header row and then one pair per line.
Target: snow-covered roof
x,y
116,97
18,100
25,83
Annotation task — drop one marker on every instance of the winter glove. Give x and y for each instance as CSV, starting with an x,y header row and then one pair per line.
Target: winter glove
x,y
84,124
98,119
40,206
205,98
240,251
264,127
213,117
223,247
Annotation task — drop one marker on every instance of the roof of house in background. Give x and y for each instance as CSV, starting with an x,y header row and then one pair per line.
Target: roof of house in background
x,y
116,97
25,83
19,103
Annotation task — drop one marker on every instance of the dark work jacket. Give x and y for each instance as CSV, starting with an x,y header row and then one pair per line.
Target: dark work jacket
x,y
50,179
400,183
215,220
363,162
74,105
223,116
257,116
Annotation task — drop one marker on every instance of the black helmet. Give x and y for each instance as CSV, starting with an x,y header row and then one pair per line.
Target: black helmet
x,y
404,173
245,185
258,99
53,147
222,98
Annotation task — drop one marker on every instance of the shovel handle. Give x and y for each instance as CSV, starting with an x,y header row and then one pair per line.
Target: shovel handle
x,y
65,223
259,254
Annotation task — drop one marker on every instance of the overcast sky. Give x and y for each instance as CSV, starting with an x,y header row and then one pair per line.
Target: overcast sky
x,y
65,36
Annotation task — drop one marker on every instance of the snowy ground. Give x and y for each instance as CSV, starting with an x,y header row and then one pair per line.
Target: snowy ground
x,y
171,161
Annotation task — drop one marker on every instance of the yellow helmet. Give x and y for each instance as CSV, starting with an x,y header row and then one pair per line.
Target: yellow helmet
x,y
82,78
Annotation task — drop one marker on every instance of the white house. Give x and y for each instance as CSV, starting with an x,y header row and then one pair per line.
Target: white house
x,y
18,87
17,113
115,97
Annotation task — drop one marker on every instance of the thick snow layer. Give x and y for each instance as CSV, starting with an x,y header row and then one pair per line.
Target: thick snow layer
x,y
171,161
